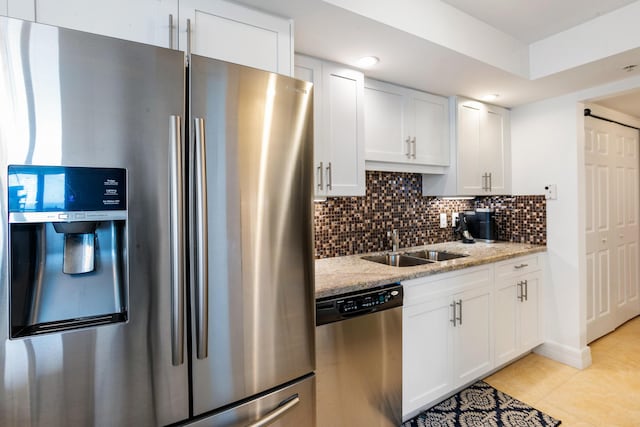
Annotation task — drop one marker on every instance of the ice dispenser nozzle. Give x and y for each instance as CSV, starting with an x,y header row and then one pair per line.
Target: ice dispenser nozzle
x,y
79,246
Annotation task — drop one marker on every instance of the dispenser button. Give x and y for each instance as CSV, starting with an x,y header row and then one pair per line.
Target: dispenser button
x,y
63,216
80,215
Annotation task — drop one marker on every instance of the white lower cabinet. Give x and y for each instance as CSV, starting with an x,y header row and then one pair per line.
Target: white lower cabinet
x,y
461,325
473,345
447,334
518,315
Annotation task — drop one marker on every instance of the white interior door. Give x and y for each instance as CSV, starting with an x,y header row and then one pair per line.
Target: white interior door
x,y
611,167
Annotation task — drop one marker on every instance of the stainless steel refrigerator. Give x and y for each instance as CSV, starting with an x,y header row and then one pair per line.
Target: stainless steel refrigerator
x,y
156,236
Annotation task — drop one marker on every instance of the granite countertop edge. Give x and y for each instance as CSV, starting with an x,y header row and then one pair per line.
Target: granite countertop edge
x,y
339,275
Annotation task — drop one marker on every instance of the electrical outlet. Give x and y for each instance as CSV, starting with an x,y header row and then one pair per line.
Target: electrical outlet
x,y
443,220
454,218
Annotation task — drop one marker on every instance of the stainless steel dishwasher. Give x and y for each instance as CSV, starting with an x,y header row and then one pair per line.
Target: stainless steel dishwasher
x,y
359,358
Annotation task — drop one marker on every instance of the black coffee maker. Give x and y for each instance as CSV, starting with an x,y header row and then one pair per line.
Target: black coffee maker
x,y
482,224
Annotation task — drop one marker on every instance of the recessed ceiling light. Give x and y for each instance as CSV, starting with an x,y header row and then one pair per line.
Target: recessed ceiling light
x,y
490,97
368,61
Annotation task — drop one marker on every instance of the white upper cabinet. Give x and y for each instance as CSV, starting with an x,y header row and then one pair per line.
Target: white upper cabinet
x,y
236,33
405,130
144,21
219,29
310,70
484,161
338,126
20,9
482,154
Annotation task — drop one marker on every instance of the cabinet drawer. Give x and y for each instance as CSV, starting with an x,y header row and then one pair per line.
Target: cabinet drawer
x,y
418,290
517,266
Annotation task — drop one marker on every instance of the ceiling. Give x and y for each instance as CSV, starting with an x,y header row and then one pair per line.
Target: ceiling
x,y
530,21
523,50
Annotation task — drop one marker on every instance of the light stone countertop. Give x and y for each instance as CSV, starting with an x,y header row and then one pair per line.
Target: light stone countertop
x,y
351,273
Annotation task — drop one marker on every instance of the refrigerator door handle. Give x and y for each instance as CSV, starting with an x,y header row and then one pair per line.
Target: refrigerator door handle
x,y
202,257
177,243
277,413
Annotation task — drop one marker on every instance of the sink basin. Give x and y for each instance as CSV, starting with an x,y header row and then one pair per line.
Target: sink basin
x,y
435,255
396,260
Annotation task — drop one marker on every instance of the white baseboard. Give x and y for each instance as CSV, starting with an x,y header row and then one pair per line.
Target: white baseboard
x,y
578,358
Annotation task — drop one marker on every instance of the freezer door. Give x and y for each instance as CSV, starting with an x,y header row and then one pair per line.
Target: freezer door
x,y
292,405
76,99
253,272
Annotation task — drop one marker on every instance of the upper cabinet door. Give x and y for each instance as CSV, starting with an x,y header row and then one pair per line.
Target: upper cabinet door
x,y
484,150
20,9
470,167
238,34
430,117
144,21
310,70
496,153
343,128
405,130
387,138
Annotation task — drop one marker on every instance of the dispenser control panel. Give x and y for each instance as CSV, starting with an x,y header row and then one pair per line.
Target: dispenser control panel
x,y
65,194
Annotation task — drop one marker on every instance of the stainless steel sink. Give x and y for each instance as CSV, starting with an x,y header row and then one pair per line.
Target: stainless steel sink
x,y
435,255
397,260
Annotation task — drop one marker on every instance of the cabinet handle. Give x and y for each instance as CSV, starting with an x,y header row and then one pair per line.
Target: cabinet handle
x,y
484,182
453,319
490,182
408,142
519,291
413,143
320,176
170,31
526,290
518,267
459,304
329,178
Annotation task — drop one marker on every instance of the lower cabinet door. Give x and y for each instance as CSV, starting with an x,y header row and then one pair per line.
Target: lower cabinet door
x,y
427,336
530,316
473,346
506,322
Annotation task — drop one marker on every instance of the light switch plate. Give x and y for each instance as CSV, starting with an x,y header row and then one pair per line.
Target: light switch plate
x,y
443,220
454,218
551,192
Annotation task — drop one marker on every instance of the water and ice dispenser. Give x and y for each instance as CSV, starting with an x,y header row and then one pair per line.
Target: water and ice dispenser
x,y
67,248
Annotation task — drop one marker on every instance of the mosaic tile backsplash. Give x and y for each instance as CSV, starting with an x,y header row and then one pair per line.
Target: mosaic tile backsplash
x,y
355,225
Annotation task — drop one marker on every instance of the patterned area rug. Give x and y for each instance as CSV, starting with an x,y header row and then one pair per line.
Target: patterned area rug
x,y
481,405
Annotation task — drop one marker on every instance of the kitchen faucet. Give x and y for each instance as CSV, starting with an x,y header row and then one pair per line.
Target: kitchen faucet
x,y
395,240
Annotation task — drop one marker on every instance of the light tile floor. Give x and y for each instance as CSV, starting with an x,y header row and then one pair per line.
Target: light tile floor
x,y
605,394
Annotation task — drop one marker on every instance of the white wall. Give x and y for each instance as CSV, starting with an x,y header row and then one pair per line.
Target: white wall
x,y
547,140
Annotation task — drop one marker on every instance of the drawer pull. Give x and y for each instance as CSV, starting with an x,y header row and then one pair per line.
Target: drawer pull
x,y
518,267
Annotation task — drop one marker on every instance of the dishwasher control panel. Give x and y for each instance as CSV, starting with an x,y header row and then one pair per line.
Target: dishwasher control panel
x,y
342,307
356,303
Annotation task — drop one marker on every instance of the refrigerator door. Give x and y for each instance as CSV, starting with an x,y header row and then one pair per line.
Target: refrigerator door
x,y
253,275
292,405
76,99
